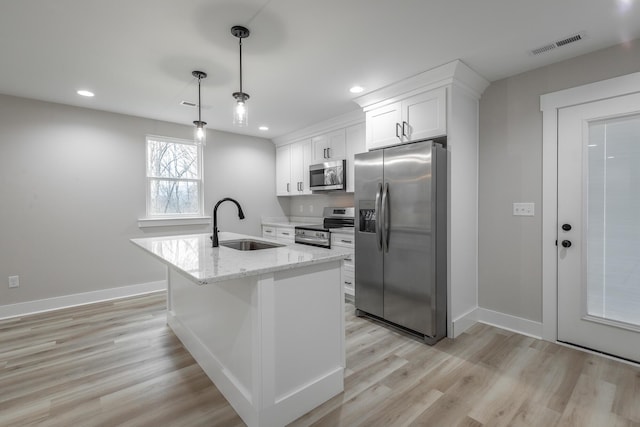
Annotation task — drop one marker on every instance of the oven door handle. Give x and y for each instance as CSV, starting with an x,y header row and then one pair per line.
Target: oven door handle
x,y
313,240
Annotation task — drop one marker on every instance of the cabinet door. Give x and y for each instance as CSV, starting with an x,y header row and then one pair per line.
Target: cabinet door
x,y
355,136
306,162
383,126
336,145
424,115
300,161
283,170
297,165
320,144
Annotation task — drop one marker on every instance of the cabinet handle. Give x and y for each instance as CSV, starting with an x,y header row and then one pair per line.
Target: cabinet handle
x,y
328,153
403,127
285,234
300,186
268,231
345,241
288,188
347,283
397,130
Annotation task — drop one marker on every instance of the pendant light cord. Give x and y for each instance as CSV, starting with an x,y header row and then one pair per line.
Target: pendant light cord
x,y
199,101
240,42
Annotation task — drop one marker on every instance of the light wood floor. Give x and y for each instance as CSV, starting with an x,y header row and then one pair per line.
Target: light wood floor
x,y
118,364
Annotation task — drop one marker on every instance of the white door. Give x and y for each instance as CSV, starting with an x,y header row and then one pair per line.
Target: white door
x,y
599,226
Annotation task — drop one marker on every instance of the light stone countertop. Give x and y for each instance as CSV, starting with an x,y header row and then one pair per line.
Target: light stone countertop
x,y
193,255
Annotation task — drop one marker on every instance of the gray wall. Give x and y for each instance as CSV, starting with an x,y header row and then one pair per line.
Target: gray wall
x,y
510,266
73,188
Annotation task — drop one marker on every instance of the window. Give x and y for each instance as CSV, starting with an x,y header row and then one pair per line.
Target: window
x,y
174,178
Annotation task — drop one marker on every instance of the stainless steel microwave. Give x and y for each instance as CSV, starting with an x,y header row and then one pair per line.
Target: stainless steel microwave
x,y
328,176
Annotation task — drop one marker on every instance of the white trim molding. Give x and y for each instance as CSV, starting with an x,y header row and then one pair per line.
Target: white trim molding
x,y
500,320
56,303
549,105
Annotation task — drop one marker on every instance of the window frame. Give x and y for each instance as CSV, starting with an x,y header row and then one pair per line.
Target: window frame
x,y
149,179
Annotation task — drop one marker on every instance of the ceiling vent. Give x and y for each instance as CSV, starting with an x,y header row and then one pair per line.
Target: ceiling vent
x,y
188,104
558,43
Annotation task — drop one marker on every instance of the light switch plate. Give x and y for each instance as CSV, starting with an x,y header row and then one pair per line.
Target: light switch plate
x,y
14,281
523,209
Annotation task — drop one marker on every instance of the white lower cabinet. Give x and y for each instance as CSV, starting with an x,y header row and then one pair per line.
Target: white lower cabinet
x,y
284,233
347,274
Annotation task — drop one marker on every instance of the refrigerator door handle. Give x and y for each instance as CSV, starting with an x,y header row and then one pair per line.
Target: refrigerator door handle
x,y
379,217
385,216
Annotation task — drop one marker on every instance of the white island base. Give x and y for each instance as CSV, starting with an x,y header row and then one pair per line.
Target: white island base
x,y
272,343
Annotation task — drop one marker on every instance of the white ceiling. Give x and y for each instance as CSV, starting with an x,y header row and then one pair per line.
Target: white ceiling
x,y
300,60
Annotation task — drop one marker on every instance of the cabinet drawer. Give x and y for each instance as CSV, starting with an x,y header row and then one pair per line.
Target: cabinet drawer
x,y
342,240
268,231
285,233
348,279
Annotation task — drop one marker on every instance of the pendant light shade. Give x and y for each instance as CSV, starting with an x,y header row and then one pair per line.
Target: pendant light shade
x,y
199,132
240,113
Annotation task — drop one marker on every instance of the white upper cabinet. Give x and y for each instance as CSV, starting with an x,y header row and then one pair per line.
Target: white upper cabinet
x,y
329,146
355,144
292,168
383,126
283,170
411,119
300,161
425,115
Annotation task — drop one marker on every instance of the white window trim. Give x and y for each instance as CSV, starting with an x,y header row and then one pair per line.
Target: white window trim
x,y
170,222
174,219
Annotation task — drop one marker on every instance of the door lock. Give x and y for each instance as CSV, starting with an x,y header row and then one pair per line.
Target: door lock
x,y
566,243
566,227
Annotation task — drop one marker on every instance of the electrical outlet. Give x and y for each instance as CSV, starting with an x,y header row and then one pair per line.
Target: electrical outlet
x,y
523,209
14,281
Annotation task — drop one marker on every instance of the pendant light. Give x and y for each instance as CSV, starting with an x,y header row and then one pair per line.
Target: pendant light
x,y
199,133
240,111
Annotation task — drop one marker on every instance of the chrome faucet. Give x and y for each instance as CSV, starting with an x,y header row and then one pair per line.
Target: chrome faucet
x,y
215,218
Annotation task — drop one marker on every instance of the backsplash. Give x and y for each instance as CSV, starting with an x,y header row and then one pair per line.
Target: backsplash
x,y
311,206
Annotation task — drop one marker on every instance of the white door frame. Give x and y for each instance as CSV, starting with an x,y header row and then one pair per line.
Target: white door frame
x,y
549,105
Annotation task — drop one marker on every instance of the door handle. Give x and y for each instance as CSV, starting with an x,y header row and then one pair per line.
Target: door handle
x,y
566,243
385,207
379,217
397,129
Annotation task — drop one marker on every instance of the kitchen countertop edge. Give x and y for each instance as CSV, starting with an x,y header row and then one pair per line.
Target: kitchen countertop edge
x,y
318,256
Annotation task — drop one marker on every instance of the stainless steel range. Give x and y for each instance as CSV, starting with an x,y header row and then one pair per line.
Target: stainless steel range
x,y
320,235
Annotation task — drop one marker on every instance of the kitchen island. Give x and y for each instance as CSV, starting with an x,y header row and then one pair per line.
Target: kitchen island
x,y
267,326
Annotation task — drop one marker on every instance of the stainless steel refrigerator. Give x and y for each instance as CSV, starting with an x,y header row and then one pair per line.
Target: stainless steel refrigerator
x,y
401,237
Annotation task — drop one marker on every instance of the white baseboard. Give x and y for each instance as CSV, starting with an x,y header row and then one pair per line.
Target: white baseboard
x,y
48,304
510,323
497,319
464,322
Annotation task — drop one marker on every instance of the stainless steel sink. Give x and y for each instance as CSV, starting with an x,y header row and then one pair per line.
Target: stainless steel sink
x,y
249,245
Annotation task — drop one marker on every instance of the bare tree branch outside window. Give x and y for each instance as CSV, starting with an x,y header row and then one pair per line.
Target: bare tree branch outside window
x,y
174,177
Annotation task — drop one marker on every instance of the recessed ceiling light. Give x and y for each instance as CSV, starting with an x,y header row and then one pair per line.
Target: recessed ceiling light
x,y
264,128
356,89
85,93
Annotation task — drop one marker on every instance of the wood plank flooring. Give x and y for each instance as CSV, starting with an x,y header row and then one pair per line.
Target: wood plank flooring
x,y
118,364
